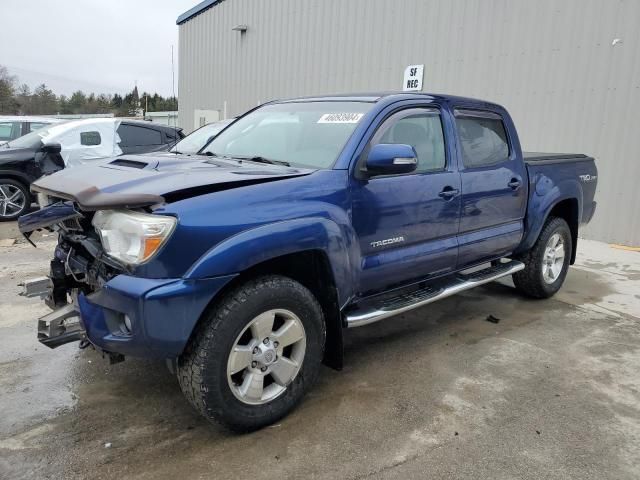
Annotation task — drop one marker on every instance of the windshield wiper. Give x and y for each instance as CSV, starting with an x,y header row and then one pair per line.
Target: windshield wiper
x,y
265,160
248,159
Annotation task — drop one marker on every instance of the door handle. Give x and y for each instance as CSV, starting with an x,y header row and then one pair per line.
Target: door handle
x,y
514,184
448,193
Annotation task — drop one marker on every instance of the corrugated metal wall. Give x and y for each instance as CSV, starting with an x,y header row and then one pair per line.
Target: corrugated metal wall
x,y
551,63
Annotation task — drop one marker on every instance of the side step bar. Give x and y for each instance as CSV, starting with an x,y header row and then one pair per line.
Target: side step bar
x,y
429,294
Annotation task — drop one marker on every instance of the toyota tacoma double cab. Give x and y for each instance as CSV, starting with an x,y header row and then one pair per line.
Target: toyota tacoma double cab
x,y
244,266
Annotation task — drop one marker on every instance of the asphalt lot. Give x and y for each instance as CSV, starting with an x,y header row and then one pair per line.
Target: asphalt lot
x,y
551,391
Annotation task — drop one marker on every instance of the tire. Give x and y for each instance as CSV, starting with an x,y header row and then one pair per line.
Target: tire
x,y
537,280
204,369
15,199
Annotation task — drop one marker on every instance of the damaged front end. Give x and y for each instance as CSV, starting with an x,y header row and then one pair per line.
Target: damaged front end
x,y
79,268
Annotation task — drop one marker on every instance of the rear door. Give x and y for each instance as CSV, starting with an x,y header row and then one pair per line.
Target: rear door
x,y
406,225
493,191
139,139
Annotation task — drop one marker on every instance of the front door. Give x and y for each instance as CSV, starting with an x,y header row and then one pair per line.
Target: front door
x,y
494,192
407,224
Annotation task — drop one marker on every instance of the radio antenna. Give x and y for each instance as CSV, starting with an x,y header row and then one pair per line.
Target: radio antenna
x,y
173,90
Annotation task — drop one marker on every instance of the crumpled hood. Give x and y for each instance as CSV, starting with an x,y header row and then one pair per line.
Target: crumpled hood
x,y
132,181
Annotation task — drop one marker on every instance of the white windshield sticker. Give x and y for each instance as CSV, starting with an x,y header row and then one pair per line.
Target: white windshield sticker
x,y
340,118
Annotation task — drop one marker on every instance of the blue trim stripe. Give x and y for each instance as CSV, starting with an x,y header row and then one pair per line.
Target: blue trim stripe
x,y
197,10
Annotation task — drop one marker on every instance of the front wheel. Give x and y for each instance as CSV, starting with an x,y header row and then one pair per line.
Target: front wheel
x,y
255,354
547,263
14,199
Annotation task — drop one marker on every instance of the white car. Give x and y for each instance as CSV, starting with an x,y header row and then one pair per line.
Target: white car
x,y
12,127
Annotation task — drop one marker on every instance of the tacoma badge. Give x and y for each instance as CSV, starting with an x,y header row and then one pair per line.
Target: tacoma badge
x,y
388,241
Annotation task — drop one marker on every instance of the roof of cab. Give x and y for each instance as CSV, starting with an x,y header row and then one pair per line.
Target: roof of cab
x,y
377,96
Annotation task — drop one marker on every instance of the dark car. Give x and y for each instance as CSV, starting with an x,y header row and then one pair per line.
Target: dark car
x,y
77,142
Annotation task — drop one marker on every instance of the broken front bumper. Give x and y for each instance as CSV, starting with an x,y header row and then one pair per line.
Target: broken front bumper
x,y
129,315
62,325
146,317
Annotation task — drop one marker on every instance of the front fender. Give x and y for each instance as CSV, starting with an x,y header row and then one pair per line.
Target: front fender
x,y
545,194
252,247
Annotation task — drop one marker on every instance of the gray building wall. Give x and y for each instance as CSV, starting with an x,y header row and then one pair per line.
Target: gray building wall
x,y
551,63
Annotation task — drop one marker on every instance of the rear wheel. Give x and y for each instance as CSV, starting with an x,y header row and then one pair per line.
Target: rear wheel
x,y
255,355
14,199
547,263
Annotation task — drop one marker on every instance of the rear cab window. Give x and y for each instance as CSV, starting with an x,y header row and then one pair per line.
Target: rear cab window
x,y
483,138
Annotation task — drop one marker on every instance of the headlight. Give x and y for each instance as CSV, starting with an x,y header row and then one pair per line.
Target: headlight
x,y
132,237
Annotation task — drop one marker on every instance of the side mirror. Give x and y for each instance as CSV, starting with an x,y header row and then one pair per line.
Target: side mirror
x,y
52,148
391,158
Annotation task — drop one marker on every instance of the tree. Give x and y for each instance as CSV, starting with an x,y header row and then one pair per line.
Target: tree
x,y
44,101
23,98
63,105
116,101
78,102
103,103
133,102
8,102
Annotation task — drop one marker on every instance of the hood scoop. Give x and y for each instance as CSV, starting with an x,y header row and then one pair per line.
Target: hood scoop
x,y
124,162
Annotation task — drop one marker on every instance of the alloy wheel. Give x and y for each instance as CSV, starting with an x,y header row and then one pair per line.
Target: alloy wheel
x,y
12,200
266,357
553,260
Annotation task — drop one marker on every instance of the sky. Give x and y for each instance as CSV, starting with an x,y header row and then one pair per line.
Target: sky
x,y
100,46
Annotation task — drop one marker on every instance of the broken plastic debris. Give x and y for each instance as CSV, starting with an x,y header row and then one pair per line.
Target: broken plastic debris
x,y
107,445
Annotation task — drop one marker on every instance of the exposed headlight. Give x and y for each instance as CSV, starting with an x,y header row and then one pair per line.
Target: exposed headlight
x,y
132,237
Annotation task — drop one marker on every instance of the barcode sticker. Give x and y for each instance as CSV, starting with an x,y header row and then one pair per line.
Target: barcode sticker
x,y
340,118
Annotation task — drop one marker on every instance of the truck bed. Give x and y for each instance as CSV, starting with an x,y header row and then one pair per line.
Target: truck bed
x,y
537,158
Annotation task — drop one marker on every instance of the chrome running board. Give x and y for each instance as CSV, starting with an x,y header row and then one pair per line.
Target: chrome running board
x,y
429,294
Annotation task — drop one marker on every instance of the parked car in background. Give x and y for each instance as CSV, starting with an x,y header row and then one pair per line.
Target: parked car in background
x,y
57,146
200,138
307,216
12,127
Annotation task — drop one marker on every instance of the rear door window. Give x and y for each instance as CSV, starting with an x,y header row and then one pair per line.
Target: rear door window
x,y
483,138
134,136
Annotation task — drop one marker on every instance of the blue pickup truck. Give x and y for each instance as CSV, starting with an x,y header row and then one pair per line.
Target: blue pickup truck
x,y
244,265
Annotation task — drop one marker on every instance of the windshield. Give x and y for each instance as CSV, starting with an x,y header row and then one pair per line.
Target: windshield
x,y
305,134
194,142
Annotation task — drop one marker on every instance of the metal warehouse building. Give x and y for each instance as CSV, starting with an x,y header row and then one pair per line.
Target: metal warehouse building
x,y
569,72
